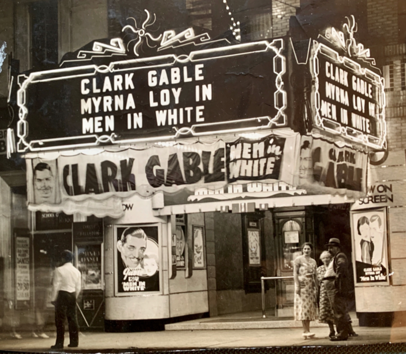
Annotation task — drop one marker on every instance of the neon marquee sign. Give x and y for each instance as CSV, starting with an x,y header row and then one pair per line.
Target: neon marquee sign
x,y
348,99
224,89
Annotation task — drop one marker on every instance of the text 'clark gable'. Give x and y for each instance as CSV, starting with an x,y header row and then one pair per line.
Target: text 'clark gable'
x,y
125,102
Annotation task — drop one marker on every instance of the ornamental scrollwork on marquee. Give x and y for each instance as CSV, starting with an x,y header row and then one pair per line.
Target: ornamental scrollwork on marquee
x,y
345,40
134,38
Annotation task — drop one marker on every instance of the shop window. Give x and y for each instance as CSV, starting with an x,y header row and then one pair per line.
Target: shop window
x,y
53,221
47,254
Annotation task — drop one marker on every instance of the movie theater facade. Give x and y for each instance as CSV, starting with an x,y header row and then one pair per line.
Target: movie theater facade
x,y
179,180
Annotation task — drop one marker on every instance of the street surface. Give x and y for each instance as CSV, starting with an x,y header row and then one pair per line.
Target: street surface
x,y
209,339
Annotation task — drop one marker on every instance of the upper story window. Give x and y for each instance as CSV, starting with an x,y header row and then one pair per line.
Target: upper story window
x,y
388,76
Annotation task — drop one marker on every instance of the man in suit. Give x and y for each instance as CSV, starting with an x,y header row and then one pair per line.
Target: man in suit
x,y
337,288
65,290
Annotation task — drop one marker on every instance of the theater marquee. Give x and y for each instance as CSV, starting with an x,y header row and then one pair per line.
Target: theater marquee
x,y
348,97
229,88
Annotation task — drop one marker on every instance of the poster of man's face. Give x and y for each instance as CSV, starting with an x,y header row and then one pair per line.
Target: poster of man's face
x,y
137,261
44,181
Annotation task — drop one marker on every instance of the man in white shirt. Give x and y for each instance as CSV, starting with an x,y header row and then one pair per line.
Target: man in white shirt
x,y
65,290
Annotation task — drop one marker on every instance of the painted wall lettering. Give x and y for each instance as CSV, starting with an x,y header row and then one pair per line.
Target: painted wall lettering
x,y
331,166
379,193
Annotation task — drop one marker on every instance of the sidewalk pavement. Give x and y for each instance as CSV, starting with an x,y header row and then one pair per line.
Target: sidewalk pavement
x,y
186,340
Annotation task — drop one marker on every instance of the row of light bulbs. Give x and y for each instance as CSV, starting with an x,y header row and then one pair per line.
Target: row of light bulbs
x,y
236,24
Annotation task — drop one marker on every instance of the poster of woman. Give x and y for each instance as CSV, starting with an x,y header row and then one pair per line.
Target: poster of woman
x,y
370,246
137,259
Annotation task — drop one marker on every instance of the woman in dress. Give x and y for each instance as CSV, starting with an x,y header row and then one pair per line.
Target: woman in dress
x,y
326,314
304,271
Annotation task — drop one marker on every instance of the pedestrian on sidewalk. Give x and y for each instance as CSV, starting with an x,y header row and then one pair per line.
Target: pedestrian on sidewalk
x,y
337,288
326,314
42,287
11,319
304,272
65,291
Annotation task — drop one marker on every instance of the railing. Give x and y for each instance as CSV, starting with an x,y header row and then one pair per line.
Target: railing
x,y
263,290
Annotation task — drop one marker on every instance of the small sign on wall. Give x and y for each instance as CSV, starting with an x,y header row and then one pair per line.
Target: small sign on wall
x,y
291,236
254,248
22,250
88,304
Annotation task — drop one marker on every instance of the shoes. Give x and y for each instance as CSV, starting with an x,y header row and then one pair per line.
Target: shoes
x,y
40,335
57,346
332,334
353,334
16,335
308,335
73,345
338,338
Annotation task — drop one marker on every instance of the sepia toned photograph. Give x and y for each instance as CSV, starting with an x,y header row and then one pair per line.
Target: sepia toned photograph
x,y
203,175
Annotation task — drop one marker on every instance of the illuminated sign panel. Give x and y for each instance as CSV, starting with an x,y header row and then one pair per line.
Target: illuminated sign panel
x,y
96,181
348,99
231,88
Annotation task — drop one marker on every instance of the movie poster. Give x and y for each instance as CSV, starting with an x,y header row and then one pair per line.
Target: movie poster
x,y
44,188
137,259
89,262
370,246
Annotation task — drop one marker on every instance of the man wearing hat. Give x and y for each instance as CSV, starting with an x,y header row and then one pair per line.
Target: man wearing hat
x,y
337,287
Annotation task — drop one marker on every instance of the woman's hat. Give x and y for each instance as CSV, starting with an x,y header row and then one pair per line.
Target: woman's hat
x,y
334,242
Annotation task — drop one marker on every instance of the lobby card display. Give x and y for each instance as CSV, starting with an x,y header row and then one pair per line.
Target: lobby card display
x,y
89,262
199,253
370,248
137,259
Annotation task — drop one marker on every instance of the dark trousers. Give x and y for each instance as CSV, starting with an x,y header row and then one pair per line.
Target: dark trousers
x,y
65,307
339,305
